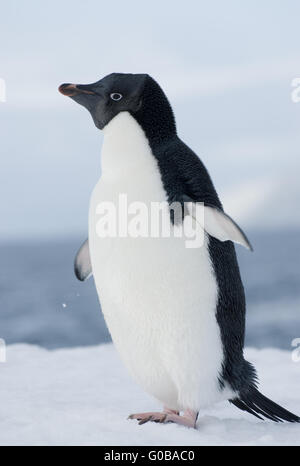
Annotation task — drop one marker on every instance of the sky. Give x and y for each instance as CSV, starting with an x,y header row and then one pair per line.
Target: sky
x,y
227,68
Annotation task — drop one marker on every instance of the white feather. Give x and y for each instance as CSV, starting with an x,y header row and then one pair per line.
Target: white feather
x,y
157,296
219,225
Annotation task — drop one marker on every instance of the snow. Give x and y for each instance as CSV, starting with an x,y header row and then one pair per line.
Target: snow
x,y
83,396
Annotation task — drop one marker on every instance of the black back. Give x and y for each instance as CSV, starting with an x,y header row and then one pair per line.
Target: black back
x,y
185,176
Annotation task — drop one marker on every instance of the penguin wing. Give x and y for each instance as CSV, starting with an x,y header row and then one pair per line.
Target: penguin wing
x,y
186,180
82,263
218,224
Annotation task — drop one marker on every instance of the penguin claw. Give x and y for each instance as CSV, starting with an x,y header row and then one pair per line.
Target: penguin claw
x,y
146,419
188,419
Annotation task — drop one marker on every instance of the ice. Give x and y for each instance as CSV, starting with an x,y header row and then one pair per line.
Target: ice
x,y
83,396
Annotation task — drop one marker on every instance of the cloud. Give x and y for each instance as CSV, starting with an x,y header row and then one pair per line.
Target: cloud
x,y
203,81
265,203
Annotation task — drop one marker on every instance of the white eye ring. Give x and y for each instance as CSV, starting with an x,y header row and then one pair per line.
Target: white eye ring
x,y
116,96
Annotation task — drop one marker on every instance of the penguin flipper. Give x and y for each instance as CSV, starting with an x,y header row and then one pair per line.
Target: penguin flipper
x,y
219,225
82,263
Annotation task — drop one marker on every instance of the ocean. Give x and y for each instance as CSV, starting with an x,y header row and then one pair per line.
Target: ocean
x,y
42,303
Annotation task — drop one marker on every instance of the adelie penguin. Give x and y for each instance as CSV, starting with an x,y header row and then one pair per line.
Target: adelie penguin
x,y
176,314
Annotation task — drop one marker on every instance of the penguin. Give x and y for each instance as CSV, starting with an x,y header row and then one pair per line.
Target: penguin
x,y
176,315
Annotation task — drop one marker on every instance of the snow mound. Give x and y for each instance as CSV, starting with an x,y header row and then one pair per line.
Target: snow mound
x,y
83,396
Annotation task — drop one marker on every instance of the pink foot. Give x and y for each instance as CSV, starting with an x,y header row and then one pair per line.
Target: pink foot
x,y
188,418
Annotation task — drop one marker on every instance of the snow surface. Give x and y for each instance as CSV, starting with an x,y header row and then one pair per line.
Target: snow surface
x,y
83,396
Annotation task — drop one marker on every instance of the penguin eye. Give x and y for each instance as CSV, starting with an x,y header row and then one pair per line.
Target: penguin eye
x,y
116,96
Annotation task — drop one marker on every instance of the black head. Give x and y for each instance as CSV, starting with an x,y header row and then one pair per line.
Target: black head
x,y
138,94
109,96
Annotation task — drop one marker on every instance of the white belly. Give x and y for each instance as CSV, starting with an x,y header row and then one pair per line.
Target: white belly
x,y
158,297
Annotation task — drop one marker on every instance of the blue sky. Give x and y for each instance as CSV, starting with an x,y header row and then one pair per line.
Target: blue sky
x,y
227,68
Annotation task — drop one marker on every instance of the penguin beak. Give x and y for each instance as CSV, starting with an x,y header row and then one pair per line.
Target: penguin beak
x,y
89,96
72,90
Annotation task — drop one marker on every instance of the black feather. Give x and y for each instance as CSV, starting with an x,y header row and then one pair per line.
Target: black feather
x,y
184,176
241,405
256,403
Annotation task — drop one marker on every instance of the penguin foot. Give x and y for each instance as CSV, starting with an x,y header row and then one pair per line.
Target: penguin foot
x,y
188,419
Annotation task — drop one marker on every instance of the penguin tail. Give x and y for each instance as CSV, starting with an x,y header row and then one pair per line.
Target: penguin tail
x,y
260,406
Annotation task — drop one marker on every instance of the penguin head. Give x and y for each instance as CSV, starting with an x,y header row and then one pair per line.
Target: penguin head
x,y
138,94
109,96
